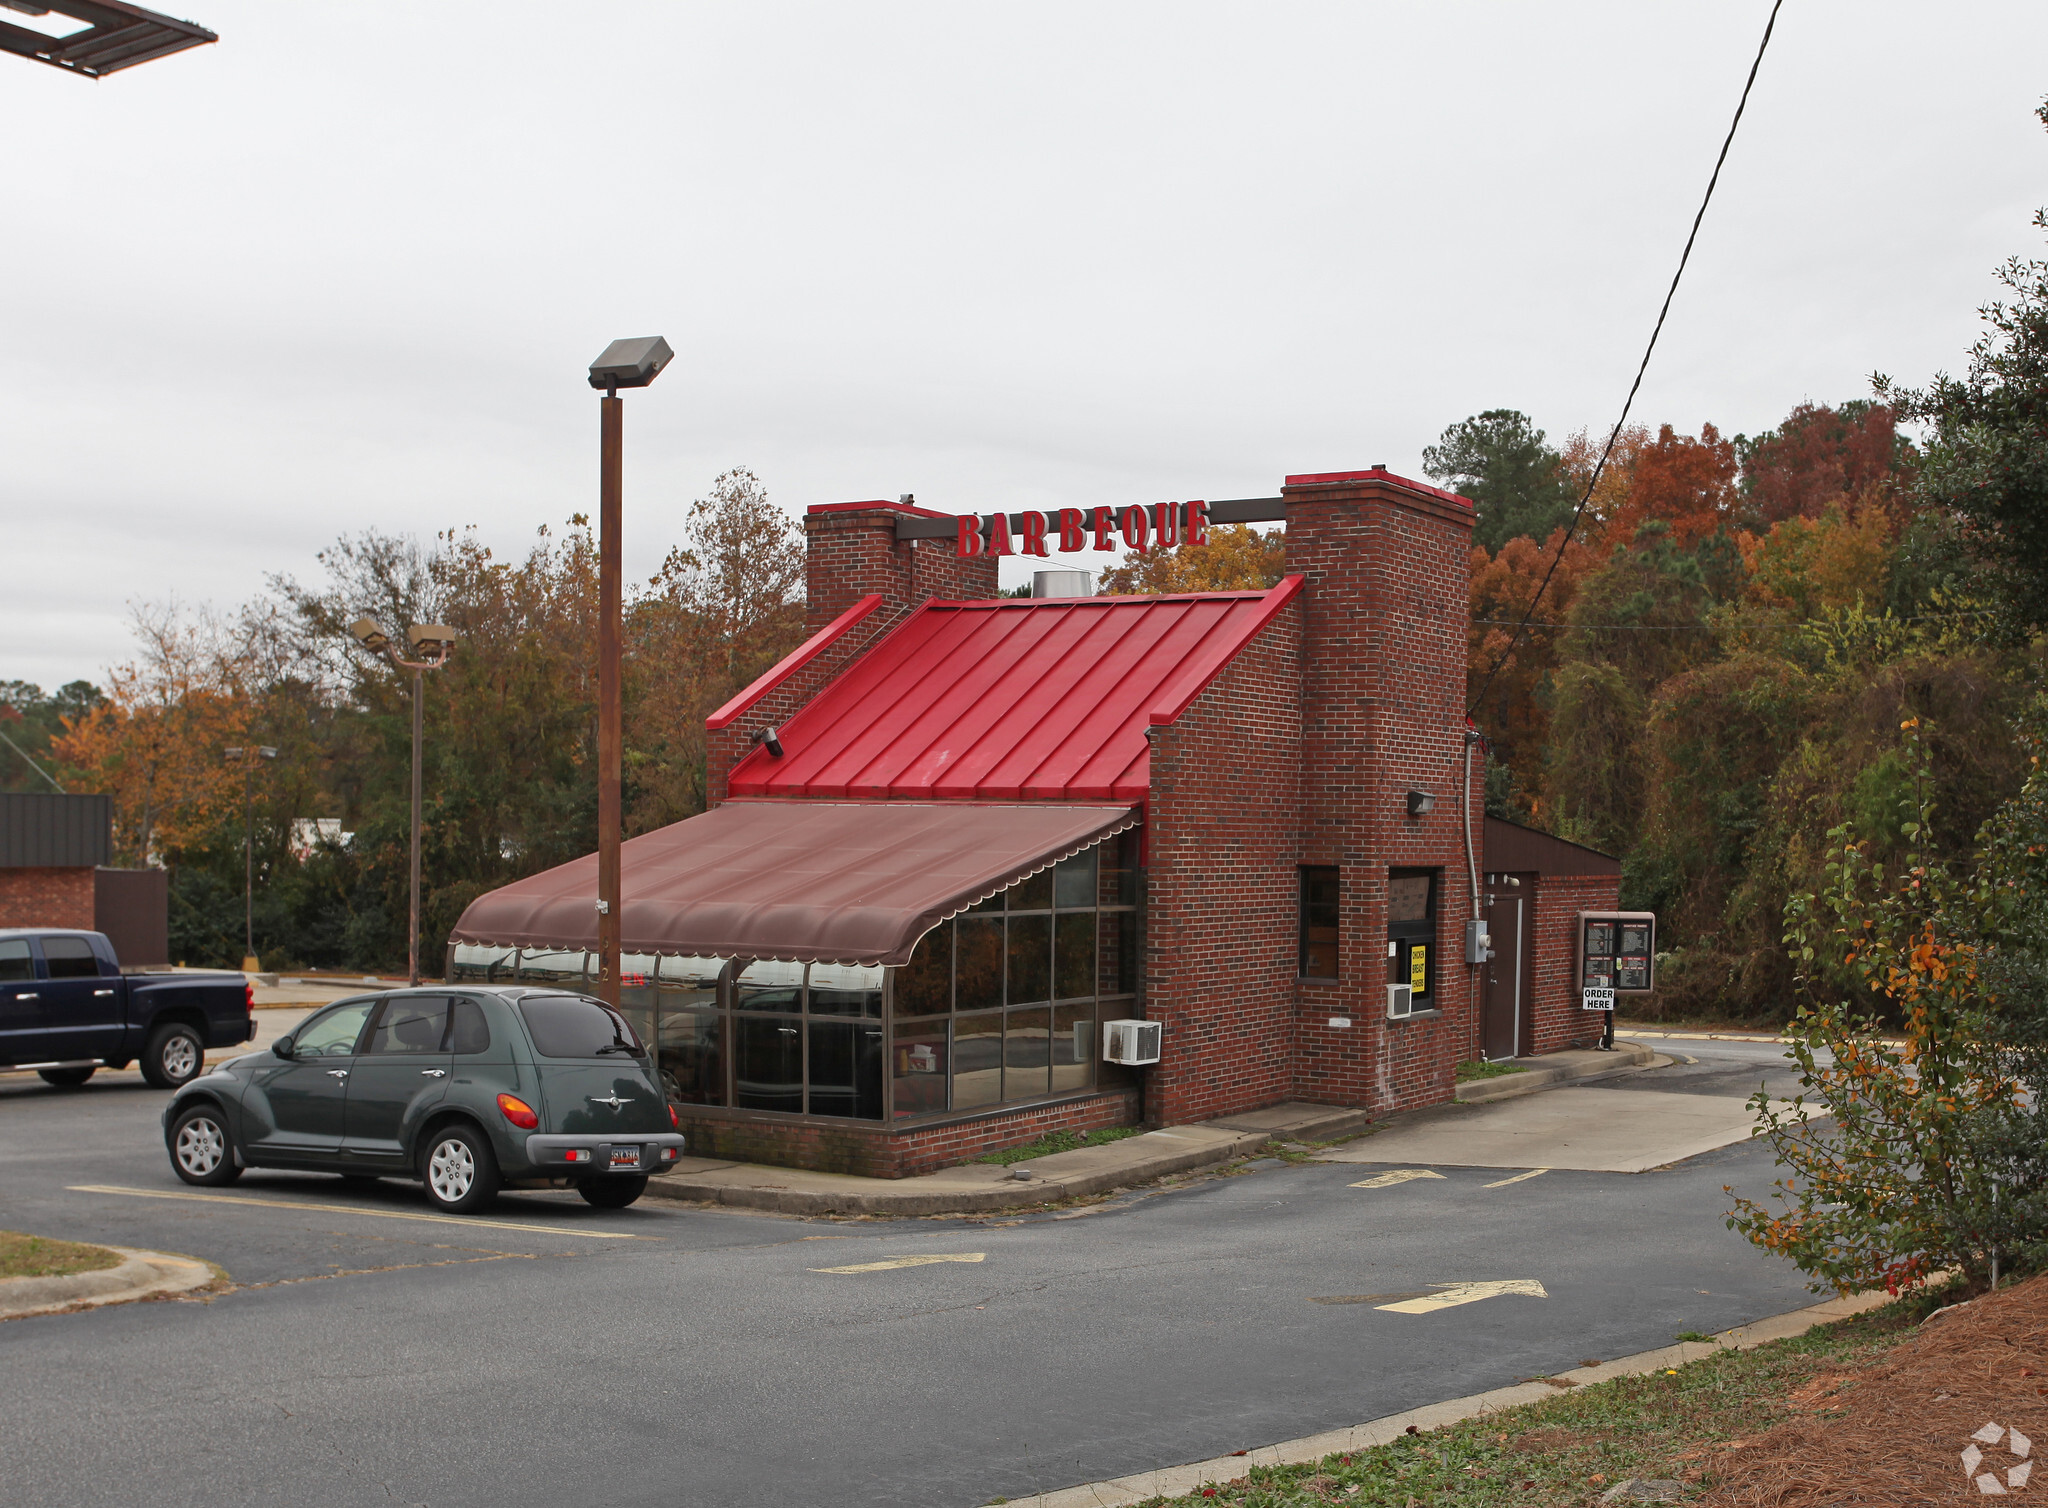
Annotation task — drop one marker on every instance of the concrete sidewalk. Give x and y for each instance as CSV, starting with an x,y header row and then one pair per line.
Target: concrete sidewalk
x,y
979,1186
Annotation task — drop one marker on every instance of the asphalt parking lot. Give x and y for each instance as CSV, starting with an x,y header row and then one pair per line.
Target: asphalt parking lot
x,y
368,1351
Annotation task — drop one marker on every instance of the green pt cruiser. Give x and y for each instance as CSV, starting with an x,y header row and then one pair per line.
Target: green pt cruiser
x,y
469,1091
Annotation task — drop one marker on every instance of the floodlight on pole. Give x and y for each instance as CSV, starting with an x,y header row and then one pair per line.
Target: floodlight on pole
x,y
433,643
115,35
248,758
633,362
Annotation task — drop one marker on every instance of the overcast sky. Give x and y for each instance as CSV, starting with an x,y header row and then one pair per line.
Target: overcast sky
x,y
347,267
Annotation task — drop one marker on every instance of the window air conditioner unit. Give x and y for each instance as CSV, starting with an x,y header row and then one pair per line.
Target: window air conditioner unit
x,y
1135,1043
1400,1001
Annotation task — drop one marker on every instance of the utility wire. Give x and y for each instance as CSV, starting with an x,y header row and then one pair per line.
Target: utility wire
x,y
1629,403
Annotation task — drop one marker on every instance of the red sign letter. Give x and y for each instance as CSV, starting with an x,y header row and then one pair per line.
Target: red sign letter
x,y
1071,538
969,542
999,534
1166,524
1135,528
1033,542
1105,520
1195,525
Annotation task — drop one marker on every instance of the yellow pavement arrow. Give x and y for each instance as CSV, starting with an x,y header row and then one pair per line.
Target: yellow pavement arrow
x,y
1450,1295
888,1262
1399,1175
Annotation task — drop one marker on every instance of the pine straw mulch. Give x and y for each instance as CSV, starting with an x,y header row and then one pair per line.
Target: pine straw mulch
x,y
1893,1430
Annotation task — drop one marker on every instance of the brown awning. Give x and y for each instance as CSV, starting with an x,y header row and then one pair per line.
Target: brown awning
x,y
823,881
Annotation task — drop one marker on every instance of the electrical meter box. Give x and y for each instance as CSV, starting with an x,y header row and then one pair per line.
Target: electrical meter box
x,y
1617,956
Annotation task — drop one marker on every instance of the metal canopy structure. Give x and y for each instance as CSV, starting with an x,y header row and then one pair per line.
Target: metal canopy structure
x,y
800,881
116,35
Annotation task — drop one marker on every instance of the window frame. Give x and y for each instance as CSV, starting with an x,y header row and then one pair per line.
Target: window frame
x,y
1402,936
1307,875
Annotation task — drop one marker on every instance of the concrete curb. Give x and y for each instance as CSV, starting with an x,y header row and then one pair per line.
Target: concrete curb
x,y
1174,1481
139,1275
981,1187
1627,1057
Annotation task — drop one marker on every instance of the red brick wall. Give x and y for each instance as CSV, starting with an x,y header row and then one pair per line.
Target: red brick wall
x,y
1223,828
1385,606
874,1151
46,898
1557,1020
850,553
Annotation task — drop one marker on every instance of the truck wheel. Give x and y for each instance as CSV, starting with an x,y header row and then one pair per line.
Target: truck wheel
x,y
612,1193
174,1056
200,1150
459,1170
64,1078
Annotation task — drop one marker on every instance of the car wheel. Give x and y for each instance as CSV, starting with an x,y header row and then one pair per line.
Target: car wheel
x,y
459,1170
174,1056
200,1150
65,1078
612,1193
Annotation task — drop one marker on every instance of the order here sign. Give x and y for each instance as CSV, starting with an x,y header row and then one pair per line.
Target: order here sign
x,y
1159,527
1617,956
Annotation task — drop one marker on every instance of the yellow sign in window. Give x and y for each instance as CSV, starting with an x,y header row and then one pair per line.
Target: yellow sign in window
x,y
1418,967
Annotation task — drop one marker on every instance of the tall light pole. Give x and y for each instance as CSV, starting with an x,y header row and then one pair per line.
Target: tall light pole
x,y
247,759
624,363
432,642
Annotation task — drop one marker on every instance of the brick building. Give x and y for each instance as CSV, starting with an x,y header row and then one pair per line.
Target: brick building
x,y
954,834
54,873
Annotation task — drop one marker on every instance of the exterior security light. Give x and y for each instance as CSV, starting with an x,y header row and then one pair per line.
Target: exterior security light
x,y
369,634
1420,803
769,739
427,637
630,363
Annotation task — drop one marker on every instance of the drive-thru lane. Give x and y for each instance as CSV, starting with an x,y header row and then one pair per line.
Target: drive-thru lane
x,y
552,1352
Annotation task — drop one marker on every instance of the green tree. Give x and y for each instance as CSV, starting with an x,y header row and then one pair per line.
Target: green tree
x,y
1515,479
1987,461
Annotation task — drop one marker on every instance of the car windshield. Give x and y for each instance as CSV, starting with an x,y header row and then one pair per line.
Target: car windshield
x,y
568,1026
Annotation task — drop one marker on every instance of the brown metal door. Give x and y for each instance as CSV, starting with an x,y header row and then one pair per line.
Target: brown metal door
x,y
1502,999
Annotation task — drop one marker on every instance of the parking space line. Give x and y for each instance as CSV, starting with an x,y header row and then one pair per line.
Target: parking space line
x,y
925,1261
1518,1178
350,1209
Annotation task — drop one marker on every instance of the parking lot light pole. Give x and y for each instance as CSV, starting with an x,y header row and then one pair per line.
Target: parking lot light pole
x,y
432,642
624,363
247,759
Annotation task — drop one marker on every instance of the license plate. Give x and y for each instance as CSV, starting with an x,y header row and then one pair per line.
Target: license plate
x,y
625,1157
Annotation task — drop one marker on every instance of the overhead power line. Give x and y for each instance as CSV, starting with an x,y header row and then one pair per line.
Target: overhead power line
x,y
1615,434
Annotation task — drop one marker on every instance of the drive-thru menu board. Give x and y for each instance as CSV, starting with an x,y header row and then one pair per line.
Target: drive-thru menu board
x,y
1617,956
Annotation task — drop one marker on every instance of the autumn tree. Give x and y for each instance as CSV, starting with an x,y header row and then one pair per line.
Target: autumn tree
x,y
1845,457
1515,479
1237,558
30,723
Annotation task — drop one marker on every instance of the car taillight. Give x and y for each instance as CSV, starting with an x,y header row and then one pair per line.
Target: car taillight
x,y
675,1121
518,1112
577,1154
249,994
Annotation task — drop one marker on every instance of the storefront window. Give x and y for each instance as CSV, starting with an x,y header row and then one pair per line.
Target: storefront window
x,y
1411,933
1003,1003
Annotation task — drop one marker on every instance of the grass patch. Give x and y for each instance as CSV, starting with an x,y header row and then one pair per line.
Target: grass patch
x,y
39,1257
1479,1068
1571,1448
1059,1141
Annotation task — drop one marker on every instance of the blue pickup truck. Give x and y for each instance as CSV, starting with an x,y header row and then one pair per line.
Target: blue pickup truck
x,y
67,1011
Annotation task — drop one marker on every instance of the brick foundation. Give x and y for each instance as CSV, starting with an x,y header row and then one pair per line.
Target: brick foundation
x,y
876,1151
47,897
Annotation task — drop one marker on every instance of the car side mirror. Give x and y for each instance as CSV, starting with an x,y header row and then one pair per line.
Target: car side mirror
x,y
283,1047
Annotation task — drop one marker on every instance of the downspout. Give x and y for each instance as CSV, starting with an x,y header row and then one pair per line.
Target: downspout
x,y
1474,958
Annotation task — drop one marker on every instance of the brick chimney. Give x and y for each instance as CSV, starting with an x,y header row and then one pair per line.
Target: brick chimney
x,y
1385,605
851,554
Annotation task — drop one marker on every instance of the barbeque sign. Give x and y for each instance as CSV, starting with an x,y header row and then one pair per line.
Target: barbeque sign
x,y
1137,528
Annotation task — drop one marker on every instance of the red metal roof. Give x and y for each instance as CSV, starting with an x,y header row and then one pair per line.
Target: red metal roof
x,y
1011,700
